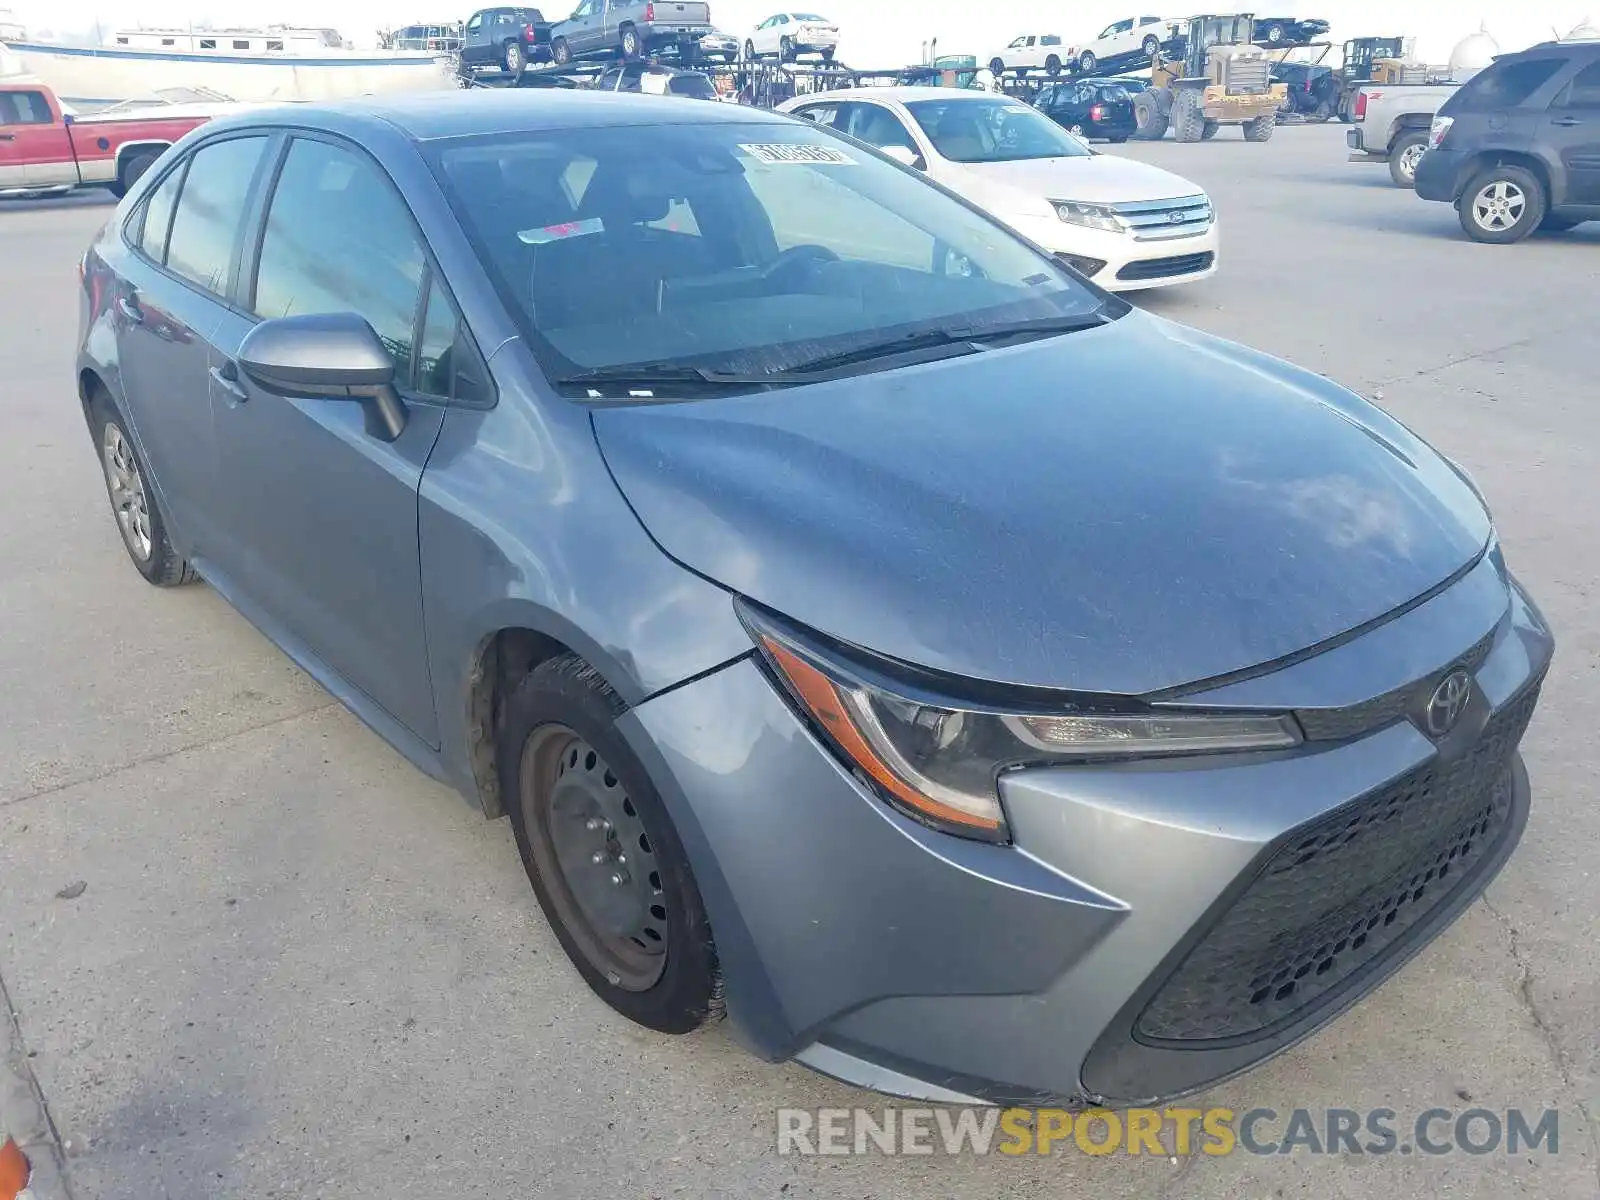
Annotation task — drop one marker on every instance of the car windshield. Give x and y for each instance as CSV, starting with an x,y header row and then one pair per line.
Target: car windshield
x,y
750,248
1113,93
697,86
997,130
809,18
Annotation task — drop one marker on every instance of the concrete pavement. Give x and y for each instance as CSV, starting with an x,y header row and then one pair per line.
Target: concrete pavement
x,y
298,968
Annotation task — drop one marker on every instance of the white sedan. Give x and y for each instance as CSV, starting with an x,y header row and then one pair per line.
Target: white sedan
x,y
787,35
1125,224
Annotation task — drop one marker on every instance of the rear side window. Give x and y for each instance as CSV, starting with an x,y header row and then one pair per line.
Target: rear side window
x,y
158,216
205,227
1584,90
338,239
1506,85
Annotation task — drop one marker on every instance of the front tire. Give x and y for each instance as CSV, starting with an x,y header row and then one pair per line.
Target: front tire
x,y
1260,130
1404,156
1209,131
133,501
601,851
1149,118
1188,121
1150,45
1502,205
1276,34
1087,62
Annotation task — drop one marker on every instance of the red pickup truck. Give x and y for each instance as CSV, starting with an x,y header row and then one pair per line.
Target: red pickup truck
x,y
44,151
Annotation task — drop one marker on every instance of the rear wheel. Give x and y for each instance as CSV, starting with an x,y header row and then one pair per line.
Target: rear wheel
x,y
133,501
133,170
1502,205
632,44
516,61
601,852
560,52
1404,156
1260,130
1087,62
1209,131
1052,65
827,54
786,49
1276,34
997,67
1150,45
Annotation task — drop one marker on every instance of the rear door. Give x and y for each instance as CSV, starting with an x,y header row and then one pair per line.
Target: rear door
x,y
184,239
326,512
1573,131
35,148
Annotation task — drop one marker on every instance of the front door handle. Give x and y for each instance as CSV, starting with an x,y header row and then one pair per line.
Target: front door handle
x,y
8,137
227,378
1566,121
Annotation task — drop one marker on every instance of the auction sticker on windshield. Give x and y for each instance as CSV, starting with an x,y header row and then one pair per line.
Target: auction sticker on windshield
x,y
788,152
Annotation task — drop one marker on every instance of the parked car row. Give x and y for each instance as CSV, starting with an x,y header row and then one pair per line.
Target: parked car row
x,y
509,39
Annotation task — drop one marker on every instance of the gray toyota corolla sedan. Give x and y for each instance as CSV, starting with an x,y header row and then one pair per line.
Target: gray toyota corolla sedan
x,y
979,687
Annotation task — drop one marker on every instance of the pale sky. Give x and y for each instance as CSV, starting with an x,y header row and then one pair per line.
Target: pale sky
x,y
884,33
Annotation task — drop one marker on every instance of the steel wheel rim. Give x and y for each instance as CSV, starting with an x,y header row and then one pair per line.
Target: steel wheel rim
x,y
1409,158
1078,129
594,857
126,487
1499,206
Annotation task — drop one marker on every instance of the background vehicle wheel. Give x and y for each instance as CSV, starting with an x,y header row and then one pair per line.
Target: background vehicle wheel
x,y
1502,205
1322,113
632,46
749,51
996,67
1275,34
602,854
1404,156
1087,62
1052,65
1209,131
1078,129
516,61
560,52
827,54
1149,46
1260,130
785,49
1188,122
133,170
133,502
1149,118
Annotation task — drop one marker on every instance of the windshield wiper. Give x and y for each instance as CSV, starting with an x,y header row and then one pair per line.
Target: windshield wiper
x,y
647,379
963,339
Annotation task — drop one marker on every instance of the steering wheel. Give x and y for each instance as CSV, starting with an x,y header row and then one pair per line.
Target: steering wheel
x,y
797,259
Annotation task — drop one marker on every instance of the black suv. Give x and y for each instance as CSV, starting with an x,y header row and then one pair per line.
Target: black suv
x,y
1518,147
504,38
1313,90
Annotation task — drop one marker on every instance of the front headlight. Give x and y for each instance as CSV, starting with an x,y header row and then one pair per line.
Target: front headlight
x,y
1090,216
941,762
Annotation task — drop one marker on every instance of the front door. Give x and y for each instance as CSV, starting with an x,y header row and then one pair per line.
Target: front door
x,y
170,301
35,149
586,29
475,39
325,512
1574,132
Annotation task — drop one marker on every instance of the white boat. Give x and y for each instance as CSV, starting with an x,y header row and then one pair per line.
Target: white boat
x,y
253,65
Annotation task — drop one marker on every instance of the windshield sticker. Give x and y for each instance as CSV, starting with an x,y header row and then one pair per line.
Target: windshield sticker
x,y
789,152
555,233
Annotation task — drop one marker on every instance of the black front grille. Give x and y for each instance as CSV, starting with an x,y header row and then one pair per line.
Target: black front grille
x,y
1341,892
1338,724
1163,268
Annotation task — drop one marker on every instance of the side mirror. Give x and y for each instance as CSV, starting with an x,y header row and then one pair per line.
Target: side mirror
x,y
906,156
327,356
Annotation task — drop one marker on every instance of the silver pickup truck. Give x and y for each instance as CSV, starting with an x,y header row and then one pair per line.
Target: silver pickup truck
x,y
1391,125
631,28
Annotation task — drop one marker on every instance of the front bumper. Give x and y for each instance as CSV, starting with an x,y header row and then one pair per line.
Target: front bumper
x,y
1114,952
1130,264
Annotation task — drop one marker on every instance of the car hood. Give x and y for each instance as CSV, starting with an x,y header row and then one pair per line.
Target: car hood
x,y
1120,510
1097,179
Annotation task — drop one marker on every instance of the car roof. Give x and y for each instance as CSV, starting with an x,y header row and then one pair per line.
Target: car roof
x,y
427,116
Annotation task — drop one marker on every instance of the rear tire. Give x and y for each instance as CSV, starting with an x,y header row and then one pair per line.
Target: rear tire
x,y
786,51
560,52
997,68
132,493
827,54
1209,131
516,61
132,171
1501,205
1260,130
1150,46
1188,121
632,45
1052,65
1087,62
1404,156
585,812
1276,34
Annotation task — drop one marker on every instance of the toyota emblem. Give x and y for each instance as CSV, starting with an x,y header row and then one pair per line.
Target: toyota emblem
x,y
1448,702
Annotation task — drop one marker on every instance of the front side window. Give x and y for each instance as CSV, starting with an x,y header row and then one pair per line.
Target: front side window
x,y
339,239
997,130
877,126
210,212
24,108
1505,85
730,246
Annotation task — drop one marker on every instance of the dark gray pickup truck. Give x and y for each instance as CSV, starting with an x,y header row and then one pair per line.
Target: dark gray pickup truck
x,y
632,28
